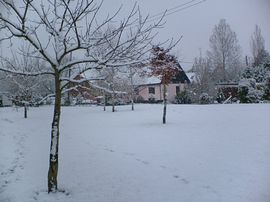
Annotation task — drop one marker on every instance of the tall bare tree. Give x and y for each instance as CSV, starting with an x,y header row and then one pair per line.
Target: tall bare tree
x,y
203,75
224,51
259,53
132,71
58,28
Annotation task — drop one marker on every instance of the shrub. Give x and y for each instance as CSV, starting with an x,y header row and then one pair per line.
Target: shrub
x,y
266,93
205,99
248,93
183,98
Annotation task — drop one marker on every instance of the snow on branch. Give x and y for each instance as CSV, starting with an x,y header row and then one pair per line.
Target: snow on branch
x,y
19,72
107,90
81,80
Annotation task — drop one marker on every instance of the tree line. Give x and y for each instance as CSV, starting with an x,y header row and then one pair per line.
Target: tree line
x,y
224,64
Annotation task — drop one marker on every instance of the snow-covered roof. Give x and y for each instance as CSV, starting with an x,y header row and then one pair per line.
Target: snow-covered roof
x,y
191,76
150,80
92,74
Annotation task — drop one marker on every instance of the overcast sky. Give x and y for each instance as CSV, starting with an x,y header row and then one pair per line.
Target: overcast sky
x,y
196,23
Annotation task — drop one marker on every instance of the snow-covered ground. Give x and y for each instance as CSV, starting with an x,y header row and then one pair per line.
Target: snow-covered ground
x,y
211,153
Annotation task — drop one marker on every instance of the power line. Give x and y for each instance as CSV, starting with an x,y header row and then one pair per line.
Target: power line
x,y
171,9
180,8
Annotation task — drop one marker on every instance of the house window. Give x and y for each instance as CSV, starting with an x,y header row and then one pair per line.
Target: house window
x,y
151,90
177,90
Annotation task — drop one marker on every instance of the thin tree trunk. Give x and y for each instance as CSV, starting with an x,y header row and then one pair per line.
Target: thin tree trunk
x,y
53,164
104,100
25,111
165,103
223,69
113,104
132,104
132,92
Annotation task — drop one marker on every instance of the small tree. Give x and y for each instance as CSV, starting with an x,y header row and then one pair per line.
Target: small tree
x,y
57,29
130,77
132,72
203,81
165,66
25,90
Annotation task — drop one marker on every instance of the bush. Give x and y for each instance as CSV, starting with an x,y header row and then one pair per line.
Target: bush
x,y
220,97
205,99
183,98
259,73
248,93
266,93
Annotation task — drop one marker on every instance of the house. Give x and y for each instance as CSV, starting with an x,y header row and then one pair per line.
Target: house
x,y
83,93
151,89
89,91
4,100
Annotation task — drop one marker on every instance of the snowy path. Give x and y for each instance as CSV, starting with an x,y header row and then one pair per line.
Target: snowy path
x,y
204,154
12,146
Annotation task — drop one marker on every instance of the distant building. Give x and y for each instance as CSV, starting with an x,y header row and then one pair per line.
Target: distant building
x,y
192,77
151,89
85,91
229,89
4,100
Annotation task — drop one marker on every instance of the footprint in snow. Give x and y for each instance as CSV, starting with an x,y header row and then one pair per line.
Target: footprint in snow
x,y
7,120
183,180
129,154
142,161
110,150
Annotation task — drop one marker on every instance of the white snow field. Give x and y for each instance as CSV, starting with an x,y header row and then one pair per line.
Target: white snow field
x,y
205,153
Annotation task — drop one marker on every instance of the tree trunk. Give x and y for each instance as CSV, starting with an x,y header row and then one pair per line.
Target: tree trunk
x,y
132,105
113,104
165,103
53,164
132,100
223,69
104,100
25,111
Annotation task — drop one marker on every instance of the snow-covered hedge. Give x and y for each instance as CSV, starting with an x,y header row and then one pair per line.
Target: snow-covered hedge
x,y
266,93
259,73
183,98
205,99
248,93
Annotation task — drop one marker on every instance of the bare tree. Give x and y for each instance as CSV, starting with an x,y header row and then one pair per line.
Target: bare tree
x,y
60,28
25,90
111,83
224,51
259,53
203,76
164,66
132,71
128,81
